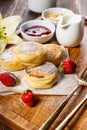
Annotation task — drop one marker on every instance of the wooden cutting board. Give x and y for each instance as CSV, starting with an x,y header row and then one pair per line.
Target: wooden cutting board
x,y
17,116
14,114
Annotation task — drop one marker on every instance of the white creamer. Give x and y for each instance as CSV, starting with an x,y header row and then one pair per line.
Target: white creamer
x,y
70,30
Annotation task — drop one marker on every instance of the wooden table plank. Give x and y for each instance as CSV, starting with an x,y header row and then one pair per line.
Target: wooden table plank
x,y
14,114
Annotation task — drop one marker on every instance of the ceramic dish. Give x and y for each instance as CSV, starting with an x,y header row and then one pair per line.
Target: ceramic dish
x,y
36,23
53,14
44,4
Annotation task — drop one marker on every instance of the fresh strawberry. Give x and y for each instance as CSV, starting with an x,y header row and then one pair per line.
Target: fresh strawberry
x,y
68,66
8,79
28,98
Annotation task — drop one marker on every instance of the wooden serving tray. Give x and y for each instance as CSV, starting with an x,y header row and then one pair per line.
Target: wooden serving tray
x,y
17,116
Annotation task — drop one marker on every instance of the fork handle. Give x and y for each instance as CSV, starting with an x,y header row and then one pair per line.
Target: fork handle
x,y
51,119
67,119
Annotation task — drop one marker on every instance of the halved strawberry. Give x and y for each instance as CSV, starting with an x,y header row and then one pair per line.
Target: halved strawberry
x,y
68,66
8,79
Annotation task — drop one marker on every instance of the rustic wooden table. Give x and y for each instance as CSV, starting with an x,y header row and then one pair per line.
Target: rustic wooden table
x,y
14,115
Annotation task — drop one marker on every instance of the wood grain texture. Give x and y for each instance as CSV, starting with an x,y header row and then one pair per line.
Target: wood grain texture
x,y
14,114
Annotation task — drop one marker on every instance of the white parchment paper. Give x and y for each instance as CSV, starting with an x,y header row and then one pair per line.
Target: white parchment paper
x,y
63,87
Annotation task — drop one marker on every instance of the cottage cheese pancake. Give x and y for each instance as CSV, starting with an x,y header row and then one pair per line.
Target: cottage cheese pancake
x,y
9,61
30,53
54,53
43,76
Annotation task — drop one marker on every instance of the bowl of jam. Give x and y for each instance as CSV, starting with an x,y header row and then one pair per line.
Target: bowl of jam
x,y
37,30
53,14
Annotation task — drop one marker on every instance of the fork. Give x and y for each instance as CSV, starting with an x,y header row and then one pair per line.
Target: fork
x,y
82,80
68,118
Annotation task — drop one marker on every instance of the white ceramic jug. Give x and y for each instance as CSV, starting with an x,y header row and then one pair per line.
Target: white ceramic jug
x,y
70,30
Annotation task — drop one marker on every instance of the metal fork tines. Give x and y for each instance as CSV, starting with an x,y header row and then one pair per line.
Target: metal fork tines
x,y
83,77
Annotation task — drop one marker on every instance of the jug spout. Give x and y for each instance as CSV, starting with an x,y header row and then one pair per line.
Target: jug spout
x,y
69,20
64,21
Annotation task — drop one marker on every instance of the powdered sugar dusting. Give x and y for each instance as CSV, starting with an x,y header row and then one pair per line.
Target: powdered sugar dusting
x,y
7,55
28,47
46,67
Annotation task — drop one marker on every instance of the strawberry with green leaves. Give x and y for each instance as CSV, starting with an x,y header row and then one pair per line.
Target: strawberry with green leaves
x,y
28,98
68,66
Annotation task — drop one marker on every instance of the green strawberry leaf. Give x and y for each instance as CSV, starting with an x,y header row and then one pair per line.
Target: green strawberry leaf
x,y
61,67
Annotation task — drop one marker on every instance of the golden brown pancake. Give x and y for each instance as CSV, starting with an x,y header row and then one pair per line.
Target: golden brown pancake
x,y
30,53
43,76
54,53
9,61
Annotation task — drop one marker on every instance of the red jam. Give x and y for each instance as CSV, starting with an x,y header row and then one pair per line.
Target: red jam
x,y
37,31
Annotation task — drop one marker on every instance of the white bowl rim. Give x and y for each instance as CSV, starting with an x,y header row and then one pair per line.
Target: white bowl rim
x,y
25,23
55,9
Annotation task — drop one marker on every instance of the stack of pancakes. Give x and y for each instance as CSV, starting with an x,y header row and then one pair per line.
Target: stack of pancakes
x,y
39,62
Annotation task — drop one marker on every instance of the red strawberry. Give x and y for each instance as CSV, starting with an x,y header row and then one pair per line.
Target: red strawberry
x,y
68,66
28,98
8,79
